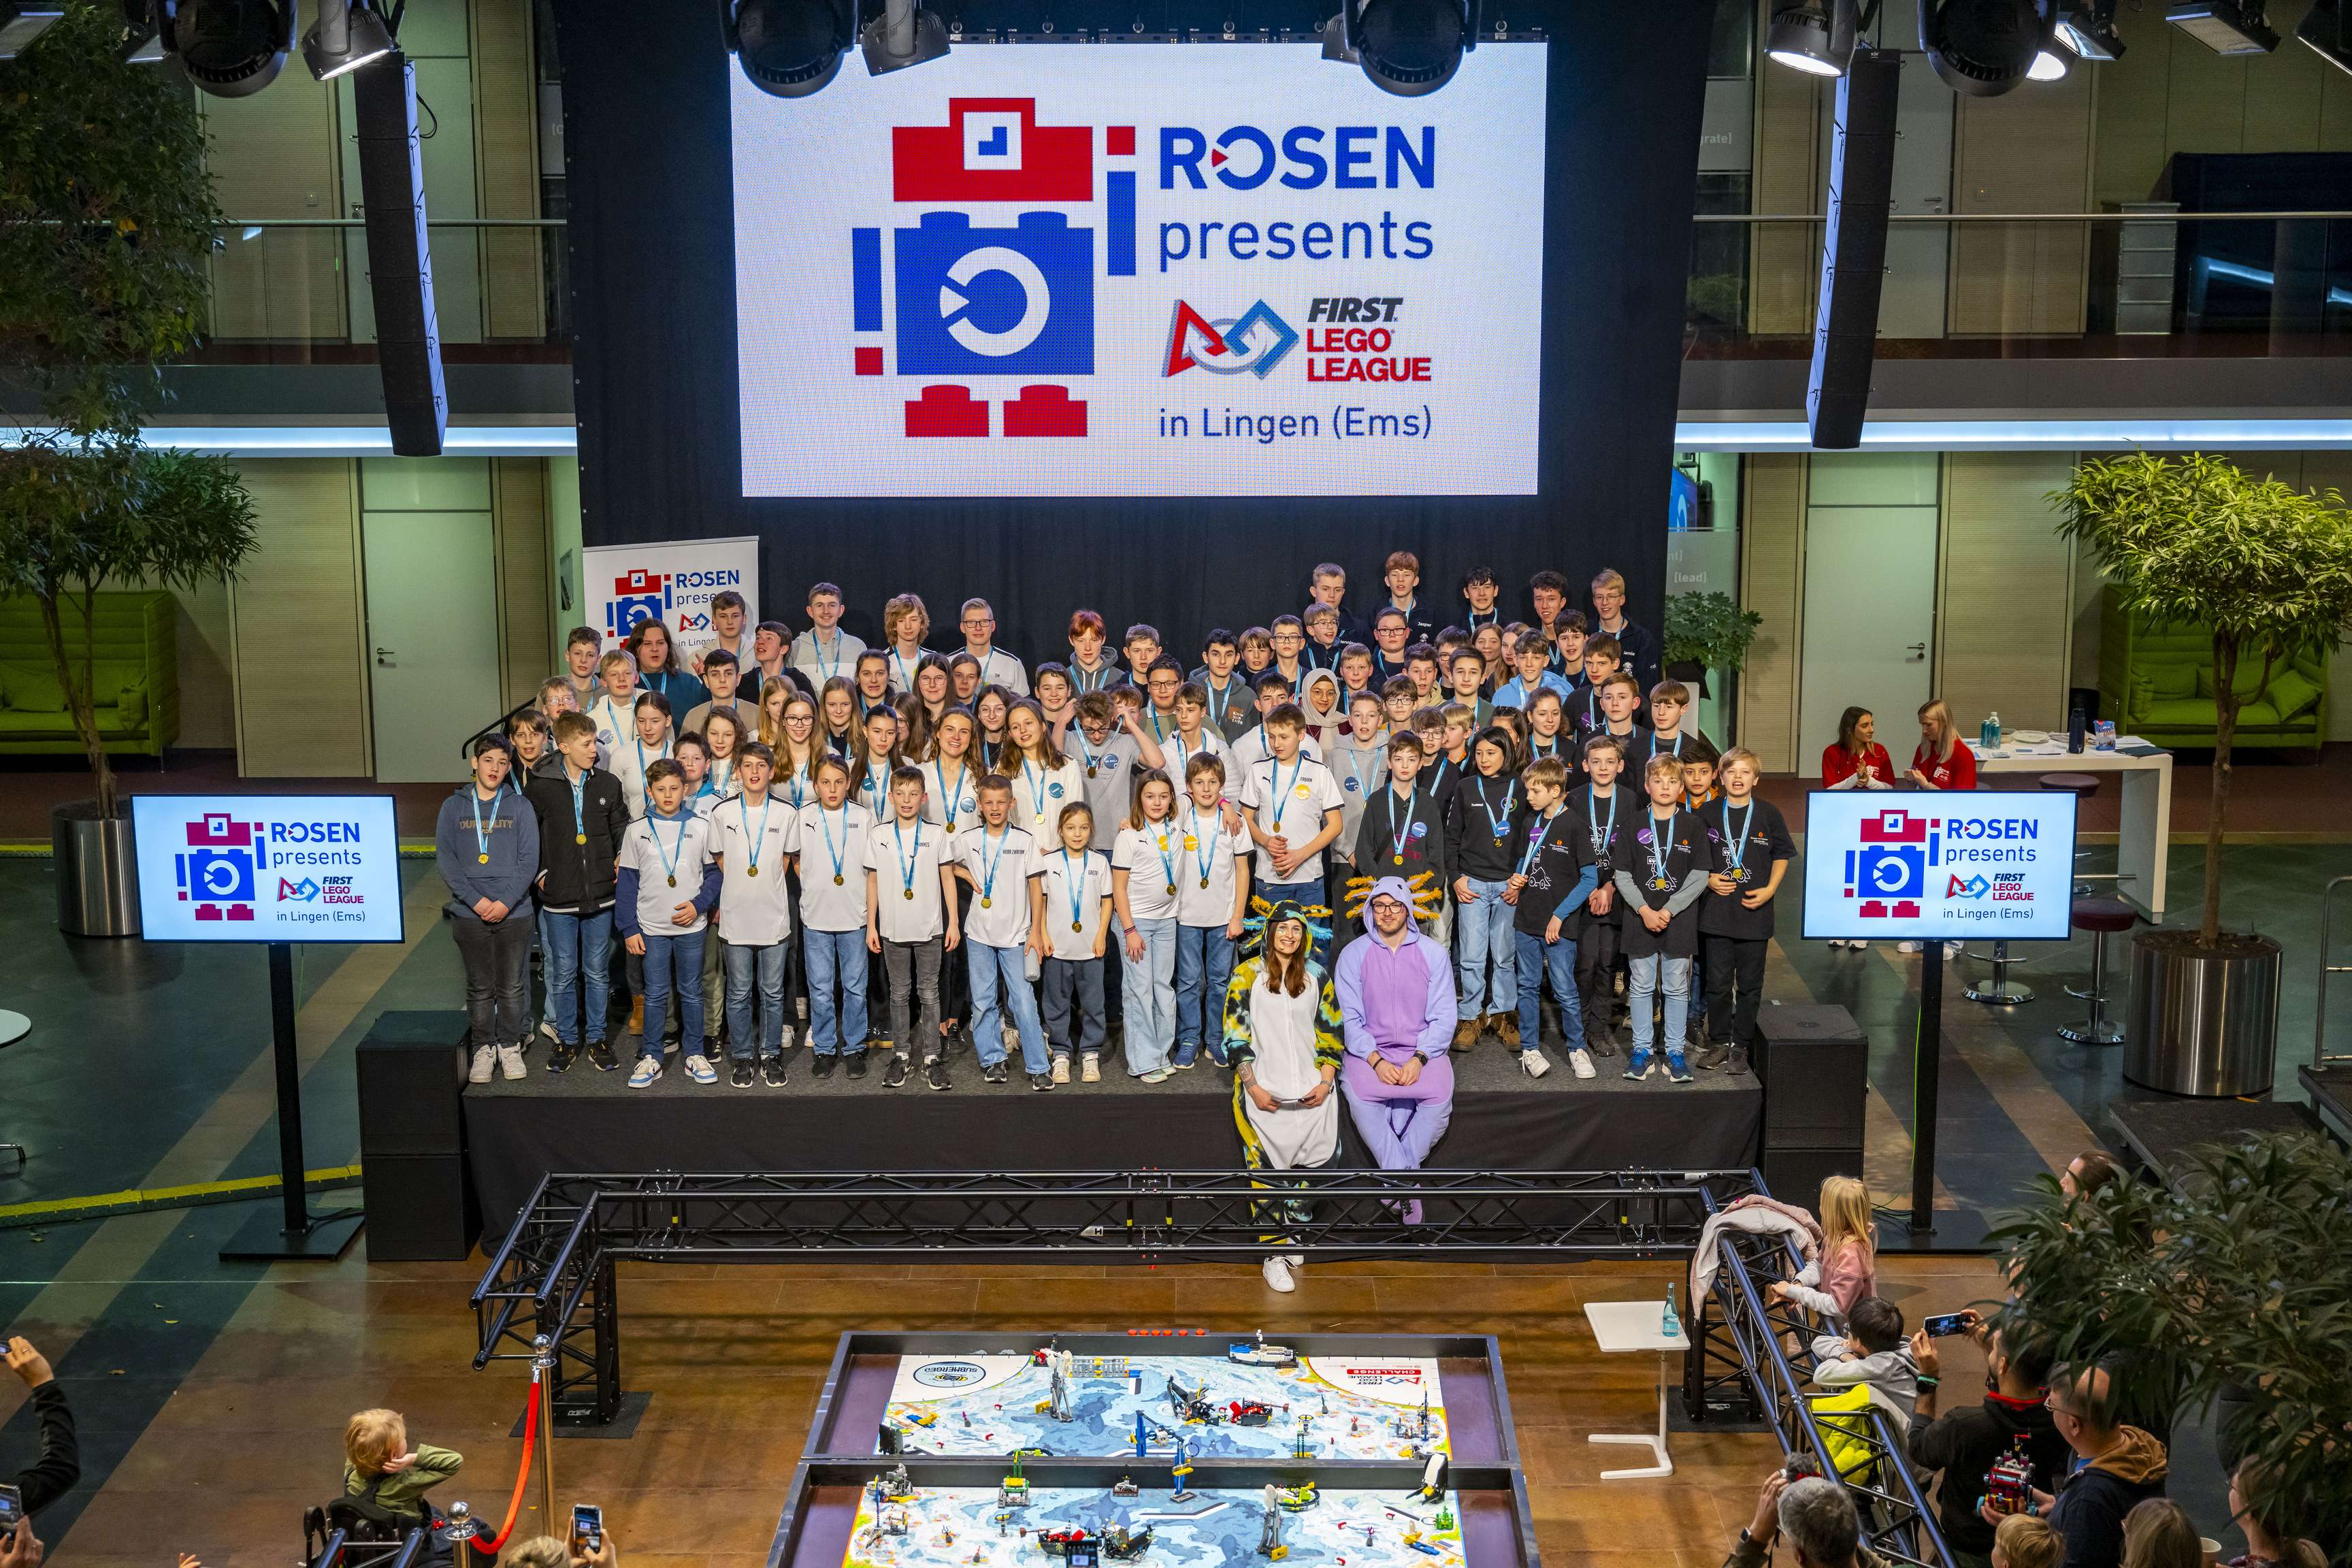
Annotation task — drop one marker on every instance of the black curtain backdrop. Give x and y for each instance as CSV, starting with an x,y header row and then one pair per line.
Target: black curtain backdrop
x,y
652,273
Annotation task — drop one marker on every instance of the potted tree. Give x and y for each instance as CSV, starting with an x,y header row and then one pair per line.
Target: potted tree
x,y
1702,633
2221,1292
2267,570
106,219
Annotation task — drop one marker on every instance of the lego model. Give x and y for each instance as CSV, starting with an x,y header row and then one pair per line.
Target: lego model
x,y
1432,1480
1191,1404
1444,1519
1255,1352
1249,1413
1300,1448
895,1485
1298,1499
1181,1473
1412,1424
1012,1491
2009,1483
1056,1403
1269,1540
1124,1486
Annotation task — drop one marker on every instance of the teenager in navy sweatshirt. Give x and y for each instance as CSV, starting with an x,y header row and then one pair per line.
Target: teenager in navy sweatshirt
x,y
486,844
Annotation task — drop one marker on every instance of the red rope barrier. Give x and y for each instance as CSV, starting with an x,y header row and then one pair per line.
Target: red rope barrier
x,y
489,1548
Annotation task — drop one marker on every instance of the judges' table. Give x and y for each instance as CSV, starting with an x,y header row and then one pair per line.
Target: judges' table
x,y
2146,832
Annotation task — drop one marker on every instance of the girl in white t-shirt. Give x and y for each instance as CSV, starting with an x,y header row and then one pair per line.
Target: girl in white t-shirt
x,y
788,727
839,729
869,778
834,830
1043,781
1146,863
989,708
722,735
1070,942
1212,891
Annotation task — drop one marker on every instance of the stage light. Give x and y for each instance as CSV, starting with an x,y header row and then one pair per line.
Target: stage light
x,y
905,35
1815,36
2323,28
1405,46
2048,65
2090,31
2225,26
20,24
790,48
347,36
230,48
1984,47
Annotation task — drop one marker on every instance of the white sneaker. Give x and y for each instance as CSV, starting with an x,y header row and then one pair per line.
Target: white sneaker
x,y
1091,1071
1278,1276
1296,1261
1907,947
1953,950
1580,1062
486,1059
510,1062
648,1069
547,1028
1533,1061
698,1068
784,1040
1061,1070
1857,944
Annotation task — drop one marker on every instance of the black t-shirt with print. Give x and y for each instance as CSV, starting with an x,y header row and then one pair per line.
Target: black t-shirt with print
x,y
1722,914
1659,855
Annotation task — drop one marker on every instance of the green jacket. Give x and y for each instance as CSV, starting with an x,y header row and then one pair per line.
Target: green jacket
x,y
405,1491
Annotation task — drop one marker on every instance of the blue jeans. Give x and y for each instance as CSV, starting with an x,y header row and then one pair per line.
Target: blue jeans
x,y
746,963
1644,978
1310,894
1481,927
1148,1026
579,954
1204,967
836,957
1005,968
1535,959
673,965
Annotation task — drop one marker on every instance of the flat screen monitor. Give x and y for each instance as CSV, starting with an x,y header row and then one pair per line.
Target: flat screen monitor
x,y
264,867
1936,866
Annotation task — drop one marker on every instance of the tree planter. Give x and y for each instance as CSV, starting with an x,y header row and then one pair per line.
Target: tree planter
x,y
2203,1020
97,877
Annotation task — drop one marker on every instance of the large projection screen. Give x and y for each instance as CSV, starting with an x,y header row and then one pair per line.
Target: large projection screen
x,y
1176,270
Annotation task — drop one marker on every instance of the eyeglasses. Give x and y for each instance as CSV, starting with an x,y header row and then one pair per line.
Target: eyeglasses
x,y
973,622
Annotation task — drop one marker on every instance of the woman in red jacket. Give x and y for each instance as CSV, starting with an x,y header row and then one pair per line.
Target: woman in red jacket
x,y
1943,760
1856,760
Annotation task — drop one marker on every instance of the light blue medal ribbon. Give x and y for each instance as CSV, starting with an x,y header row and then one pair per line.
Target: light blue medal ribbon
x,y
743,818
1660,847
1535,844
1603,828
1403,829
482,832
1076,887
1204,848
1356,770
1282,796
1500,821
826,668
987,867
579,806
1168,852
1036,790
831,849
948,796
906,866
1738,846
669,856
1087,750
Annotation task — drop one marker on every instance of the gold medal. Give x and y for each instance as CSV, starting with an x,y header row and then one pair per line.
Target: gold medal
x,y
483,858
1172,888
986,903
1204,881
908,895
836,878
1078,926
673,881
751,871
951,824
1090,772
579,838
1398,858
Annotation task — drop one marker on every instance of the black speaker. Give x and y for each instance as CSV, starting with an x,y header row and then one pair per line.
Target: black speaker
x,y
420,1190
1792,1175
1854,249
400,265
1813,1063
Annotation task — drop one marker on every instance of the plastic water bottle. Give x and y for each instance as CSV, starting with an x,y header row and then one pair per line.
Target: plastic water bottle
x,y
1670,1325
1988,737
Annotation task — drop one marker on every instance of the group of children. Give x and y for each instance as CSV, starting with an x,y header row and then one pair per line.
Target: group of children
x,y
917,840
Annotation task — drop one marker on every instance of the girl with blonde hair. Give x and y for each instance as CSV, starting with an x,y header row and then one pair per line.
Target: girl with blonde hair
x,y
1848,1268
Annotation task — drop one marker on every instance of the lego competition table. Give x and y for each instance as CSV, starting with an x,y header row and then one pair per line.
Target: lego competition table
x,y
1183,1449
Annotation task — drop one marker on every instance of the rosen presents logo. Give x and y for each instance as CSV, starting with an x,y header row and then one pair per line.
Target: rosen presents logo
x,y
217,870
1888,871
637,596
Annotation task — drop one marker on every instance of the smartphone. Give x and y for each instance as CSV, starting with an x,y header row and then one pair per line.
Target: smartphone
x,y
588,1526
11,1507
1946,1325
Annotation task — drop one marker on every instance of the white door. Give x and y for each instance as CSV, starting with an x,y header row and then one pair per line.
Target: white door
x,y
1870,615
432,639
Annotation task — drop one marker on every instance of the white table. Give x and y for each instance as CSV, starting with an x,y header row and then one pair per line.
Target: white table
x,y
2146,836
1628,1326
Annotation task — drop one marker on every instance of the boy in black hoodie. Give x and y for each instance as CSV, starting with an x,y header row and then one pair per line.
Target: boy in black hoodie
x,y
1403,832
582,816
486,848
1481,829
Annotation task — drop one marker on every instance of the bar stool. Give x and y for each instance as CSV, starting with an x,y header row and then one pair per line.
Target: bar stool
x,y
2000,993
2099,917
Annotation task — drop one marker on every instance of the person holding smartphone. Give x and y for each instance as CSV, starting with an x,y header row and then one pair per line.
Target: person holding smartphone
x,y
587,1544
59,1465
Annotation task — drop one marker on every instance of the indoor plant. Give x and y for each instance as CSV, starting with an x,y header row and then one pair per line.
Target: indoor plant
x,y
2267,570
106,219
1705,632
2225,1289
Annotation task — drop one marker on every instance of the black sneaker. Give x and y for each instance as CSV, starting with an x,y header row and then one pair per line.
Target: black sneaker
x,y
856,1063
744,1075
994,1072
559,1058
896,1076
823,1066
600,1057
771,1070
935,1073
1041,1080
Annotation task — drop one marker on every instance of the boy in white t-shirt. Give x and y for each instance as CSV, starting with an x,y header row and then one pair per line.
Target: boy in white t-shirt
x,y
910,921
1000,863
1110,743
756,835
1295,809
1211,900
832,831
668,885
1069,940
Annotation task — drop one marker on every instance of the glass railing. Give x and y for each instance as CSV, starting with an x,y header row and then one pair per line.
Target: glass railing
x,y
295,290
2151,282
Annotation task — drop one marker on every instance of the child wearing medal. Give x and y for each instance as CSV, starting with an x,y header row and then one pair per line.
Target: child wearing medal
x,y
834,831
1358,757
647,741
1212,893
1555,874
486,843
1735,922
1195,736
952,803
1109,742
1145,862
668,884
583,820
758,833
1069,941
910,921
1481,831
878,762
1403,832
1044,780
1596,926
1662,858
997,862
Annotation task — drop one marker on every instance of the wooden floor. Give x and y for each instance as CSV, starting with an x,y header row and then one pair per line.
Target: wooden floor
x,y
734,1360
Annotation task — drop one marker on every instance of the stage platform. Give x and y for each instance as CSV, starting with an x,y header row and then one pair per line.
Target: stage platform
x,y
588,1122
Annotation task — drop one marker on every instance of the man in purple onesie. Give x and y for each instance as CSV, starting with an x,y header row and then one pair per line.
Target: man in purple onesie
x,y
1395,988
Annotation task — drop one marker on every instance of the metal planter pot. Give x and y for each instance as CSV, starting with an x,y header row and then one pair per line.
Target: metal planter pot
x,y
97,877
2203,1021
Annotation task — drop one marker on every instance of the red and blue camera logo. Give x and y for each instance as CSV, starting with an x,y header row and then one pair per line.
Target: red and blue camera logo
x,y
976,296
637,596
1888,871
219,868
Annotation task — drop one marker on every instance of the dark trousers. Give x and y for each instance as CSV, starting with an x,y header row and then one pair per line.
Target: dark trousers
x,y
1066,980
1596,972
913,968
1735,985
497,976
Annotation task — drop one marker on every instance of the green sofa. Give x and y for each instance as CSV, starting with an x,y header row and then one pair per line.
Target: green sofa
x,y
136,676
2157,683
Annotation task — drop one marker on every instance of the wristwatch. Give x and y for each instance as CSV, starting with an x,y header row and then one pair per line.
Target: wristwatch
x,y
1421,1057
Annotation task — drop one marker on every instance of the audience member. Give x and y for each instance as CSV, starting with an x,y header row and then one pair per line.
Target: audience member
x,y
2121,1468
1395,988
2025,1542
1817,1518
59,1467
1964,1443
21,1548
1872,1351
2088,1172
380,1469
2159,1534
1848,1268
2273,1538
550,1552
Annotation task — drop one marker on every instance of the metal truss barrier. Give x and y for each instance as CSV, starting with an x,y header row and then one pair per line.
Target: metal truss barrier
x,y
1738,1363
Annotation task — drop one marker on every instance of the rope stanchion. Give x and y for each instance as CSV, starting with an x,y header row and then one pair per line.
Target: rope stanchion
x,y
489,1547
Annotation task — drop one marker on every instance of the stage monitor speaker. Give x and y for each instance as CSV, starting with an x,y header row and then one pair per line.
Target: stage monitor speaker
x,y
1813,1062
1854,249
420,1208
1791,1175
400,264
412,1072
